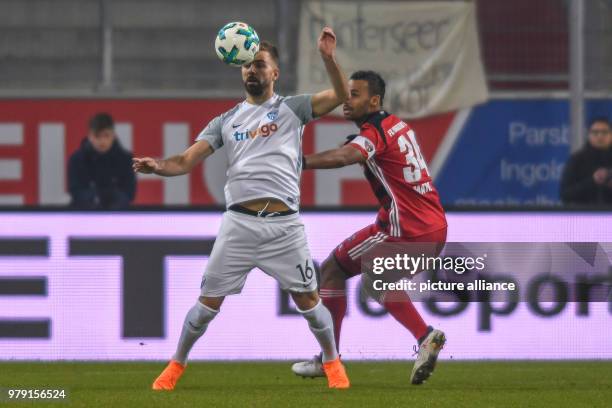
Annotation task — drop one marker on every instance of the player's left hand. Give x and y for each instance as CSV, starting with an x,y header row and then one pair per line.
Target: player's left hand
x,y
327,43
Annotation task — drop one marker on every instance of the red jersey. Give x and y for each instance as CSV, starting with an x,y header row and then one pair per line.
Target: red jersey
x,y
398,175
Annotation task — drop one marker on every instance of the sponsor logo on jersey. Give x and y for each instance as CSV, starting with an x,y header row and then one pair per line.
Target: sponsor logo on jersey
x,y
272,115
399,126
264,131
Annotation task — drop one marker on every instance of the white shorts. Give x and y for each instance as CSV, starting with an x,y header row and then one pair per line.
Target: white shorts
x,y
276,245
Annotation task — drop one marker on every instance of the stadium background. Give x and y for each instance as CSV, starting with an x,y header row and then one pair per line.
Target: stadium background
x,y
152,66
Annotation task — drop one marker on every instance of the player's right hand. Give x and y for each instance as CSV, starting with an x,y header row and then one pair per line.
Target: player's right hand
x,y
145,165
327,43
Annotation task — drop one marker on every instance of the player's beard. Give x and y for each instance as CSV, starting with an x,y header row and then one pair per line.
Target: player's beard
x,y
254,88
349,114
356,114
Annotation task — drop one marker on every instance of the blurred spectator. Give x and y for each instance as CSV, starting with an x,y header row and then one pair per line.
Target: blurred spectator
x,y
100,172
587,177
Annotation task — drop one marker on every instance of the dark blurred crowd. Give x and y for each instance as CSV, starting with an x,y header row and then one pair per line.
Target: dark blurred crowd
x,y
587,177
100,174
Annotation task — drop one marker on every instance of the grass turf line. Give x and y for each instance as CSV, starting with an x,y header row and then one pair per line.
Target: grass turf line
x,y
269,384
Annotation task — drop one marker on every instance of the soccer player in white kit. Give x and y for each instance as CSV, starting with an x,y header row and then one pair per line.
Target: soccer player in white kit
x,y
262,137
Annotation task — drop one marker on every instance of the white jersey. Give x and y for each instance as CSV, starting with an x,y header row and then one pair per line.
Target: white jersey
x,y
263,144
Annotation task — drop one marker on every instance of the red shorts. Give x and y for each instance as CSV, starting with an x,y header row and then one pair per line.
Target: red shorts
x,y
348,254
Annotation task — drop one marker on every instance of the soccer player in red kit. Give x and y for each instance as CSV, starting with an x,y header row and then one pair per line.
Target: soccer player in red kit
x,y
410,211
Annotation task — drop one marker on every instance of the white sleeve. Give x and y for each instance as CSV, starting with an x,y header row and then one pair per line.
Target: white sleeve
x,y
212,133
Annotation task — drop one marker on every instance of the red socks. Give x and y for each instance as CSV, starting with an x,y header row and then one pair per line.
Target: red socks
x,y
399,305
335,301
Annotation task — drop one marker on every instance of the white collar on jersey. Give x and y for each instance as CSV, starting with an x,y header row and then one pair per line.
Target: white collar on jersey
x,y
267,101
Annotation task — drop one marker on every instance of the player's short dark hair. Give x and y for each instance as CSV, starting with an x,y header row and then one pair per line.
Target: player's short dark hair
x,y
376,85
600,119
271,49
101,121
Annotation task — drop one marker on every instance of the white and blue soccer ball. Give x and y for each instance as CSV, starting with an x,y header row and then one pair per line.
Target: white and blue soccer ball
x,y
236,44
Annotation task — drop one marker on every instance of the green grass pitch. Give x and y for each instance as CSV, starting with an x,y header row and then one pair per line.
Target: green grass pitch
x,y
271,384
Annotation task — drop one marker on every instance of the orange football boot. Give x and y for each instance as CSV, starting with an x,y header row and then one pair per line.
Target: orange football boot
x,y
336,375
169,377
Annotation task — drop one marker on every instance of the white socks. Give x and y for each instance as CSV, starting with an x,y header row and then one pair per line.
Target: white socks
x,y
195,325
197,319
322,326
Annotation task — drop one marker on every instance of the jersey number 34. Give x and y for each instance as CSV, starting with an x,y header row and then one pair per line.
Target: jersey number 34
x,y
414,158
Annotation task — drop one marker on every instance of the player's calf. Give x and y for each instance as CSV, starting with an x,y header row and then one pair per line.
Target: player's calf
x,y
319,321
333,295
194,326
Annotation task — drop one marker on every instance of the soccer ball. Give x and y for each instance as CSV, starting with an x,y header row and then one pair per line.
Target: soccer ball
x,y
236,44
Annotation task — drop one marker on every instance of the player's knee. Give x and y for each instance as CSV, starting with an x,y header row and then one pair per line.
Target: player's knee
x,y
211,302
313,310
332,276
305,300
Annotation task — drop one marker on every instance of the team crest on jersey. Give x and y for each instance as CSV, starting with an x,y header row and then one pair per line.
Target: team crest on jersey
x,y
272,115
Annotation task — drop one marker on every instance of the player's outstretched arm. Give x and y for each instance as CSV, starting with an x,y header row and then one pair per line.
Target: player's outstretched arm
x,y
332,159
175,165
328,100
